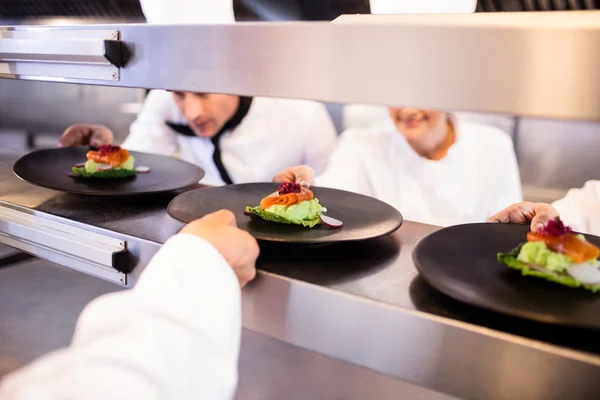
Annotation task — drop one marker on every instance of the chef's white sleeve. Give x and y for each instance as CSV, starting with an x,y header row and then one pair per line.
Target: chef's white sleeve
x,y
504,184
149,132
322,140
345,170
580,208
176,335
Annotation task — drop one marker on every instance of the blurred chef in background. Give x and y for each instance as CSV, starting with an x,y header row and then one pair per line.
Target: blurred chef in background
x,y
580,209
235,139
432,167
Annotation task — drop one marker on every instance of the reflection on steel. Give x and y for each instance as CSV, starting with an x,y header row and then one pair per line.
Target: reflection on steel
x,y
535,64
446,356
60,54
304,375
77,248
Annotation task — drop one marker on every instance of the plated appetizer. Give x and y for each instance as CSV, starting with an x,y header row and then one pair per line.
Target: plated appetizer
x,y
290,204
558,255
108,162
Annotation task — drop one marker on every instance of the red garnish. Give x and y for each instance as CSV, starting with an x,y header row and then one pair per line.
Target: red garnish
x,y
108,148
559,237
331,222
555,227
286,188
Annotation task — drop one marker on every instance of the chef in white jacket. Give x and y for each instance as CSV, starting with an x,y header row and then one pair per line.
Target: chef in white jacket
x,y
432,167
235,139
176,335
580,209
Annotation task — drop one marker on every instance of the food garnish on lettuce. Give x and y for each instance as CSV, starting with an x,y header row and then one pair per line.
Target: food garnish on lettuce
x,y
558,255
108,162
290,204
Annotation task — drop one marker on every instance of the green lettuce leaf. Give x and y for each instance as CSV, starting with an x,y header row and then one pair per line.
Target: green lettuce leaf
x,y
537,253
269,216
109,174
511,261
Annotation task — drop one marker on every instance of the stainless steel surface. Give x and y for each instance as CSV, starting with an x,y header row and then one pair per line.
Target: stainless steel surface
x,y
101,220
39,304
558,154
41,321
49,108
535,64
56,54
6,251
10,255
355,306
447,356
77,248
275,370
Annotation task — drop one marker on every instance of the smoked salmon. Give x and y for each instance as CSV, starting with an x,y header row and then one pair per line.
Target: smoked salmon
x,y
111,155
287,199
568,244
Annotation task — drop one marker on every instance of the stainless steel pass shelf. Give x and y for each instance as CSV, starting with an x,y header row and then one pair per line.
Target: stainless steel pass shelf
x,y
77,248
60,54
358,303
533,64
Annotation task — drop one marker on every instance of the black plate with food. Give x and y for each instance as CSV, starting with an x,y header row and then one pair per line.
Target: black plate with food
x,y
107,171
289,213
507,269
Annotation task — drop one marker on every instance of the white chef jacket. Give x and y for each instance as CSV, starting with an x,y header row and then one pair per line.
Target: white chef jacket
x,y
275,134
176,335
188,11
422,6
580,208
477,178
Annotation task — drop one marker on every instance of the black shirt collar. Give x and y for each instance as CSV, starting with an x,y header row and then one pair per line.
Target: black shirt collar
x,y
240,114
232,123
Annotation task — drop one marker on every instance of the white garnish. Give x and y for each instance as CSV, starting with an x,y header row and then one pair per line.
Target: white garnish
x,y
585,273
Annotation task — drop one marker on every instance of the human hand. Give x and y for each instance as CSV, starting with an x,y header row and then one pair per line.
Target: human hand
x,y
536,214
302,174
238,247
84,135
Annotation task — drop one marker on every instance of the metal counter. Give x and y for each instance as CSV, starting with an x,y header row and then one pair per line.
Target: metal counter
x,y
359,303
40,322
529,64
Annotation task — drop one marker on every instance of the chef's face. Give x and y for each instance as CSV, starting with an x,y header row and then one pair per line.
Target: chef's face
x,y
416,124
206,112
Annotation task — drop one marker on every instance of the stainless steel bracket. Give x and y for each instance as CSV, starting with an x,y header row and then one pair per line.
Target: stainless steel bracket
x,y
52,53
89,252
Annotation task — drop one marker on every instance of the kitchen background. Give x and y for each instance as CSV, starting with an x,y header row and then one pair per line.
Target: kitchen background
x,y
553,155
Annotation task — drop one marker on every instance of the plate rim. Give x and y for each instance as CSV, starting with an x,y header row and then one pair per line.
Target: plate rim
x,y
457,295
200,172
310,241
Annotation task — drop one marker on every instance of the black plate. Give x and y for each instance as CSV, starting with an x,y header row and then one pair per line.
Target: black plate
x,y
50,168
461,262
364,217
